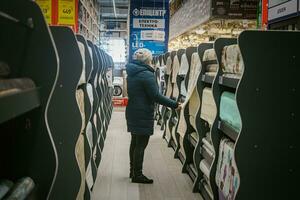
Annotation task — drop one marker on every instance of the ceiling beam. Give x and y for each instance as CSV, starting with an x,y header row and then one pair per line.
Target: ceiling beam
x,y
115,12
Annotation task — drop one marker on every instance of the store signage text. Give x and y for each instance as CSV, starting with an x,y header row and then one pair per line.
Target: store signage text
x,y
46,7
66,12
149,26
283,10
148,23
149,12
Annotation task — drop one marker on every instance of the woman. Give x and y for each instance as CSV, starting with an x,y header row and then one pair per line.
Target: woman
x,y
143,92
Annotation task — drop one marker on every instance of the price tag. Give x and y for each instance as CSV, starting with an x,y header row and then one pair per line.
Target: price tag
x,y
46,7
66,12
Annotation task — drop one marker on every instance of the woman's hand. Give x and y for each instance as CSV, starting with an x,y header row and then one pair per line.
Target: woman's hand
x,y
179,107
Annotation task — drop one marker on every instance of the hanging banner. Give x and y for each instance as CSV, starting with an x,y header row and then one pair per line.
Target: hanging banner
x,y
66,12
235,9
46,7
149,26
282,9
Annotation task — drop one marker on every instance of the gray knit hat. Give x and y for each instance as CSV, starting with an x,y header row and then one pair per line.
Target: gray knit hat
x,y
143,55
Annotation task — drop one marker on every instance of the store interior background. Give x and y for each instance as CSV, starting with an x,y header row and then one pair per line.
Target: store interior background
x,y
190,25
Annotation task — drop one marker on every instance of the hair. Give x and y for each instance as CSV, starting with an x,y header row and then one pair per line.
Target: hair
x,y
143,55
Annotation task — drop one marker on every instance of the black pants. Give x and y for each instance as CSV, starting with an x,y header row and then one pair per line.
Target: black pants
x,y
136,153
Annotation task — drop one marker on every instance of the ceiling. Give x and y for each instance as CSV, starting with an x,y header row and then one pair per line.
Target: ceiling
x,y
114,9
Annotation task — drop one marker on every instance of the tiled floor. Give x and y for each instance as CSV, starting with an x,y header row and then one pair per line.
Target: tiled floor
x,y
113,182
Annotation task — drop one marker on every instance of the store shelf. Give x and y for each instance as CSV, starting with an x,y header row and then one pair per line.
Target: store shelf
x,y
90,18
173,145
207,79
83,24
18,103
227,130
203,187
192,140
88,11
191,171
229,82
206,156
181,157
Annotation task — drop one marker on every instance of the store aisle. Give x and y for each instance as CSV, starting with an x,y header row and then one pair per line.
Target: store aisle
x,y
113,182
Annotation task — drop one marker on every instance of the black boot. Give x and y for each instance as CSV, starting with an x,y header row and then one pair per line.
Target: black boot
x,y
141,179
138,159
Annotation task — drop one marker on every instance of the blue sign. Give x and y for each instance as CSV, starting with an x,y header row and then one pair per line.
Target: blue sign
x,y
149,26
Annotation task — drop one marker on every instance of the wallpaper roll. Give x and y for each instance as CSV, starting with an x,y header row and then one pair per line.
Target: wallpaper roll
x,y
82,79
182,125
80,157
209,55
15,85
205,168
232,61
80,102
183,70
5,186
208,107
229,111
169,66
227,177
89,175
208,147
21,190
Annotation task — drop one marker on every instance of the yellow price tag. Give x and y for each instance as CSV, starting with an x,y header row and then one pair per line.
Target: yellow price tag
x,y
66,12
46,7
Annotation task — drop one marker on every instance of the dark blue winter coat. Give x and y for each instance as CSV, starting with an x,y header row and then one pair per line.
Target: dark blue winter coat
x,y
143,92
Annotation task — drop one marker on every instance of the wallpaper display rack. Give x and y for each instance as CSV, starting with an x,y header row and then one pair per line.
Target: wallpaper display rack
x,y
55,104
252,136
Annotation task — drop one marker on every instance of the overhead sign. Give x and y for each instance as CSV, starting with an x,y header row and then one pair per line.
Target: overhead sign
x,y
235,9
66,12
46,7
149,26
282,8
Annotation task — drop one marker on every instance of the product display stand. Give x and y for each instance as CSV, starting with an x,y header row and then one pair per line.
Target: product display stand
x,y
93,81
169,91
202,125
28,49
186,149
267,101
189,143
88,110
64,115
166,78
218,89
174,115
100,118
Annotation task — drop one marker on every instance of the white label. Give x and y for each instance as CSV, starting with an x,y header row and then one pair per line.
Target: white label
x,y
283,10
273,3
147,23
153,35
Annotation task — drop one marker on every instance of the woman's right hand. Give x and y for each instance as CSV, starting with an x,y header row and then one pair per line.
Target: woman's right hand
x,y
179,107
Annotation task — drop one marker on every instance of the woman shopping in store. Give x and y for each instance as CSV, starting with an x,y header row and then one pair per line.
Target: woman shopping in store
x,y
143,93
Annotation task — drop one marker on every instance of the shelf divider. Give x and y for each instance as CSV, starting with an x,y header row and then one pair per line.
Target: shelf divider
x,y
18,103
227,130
